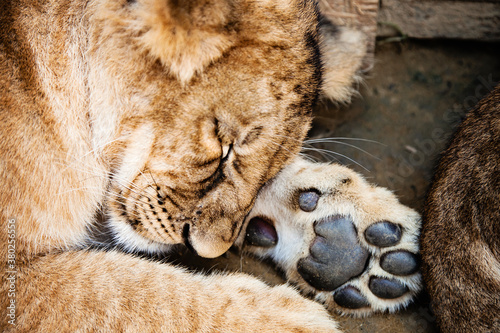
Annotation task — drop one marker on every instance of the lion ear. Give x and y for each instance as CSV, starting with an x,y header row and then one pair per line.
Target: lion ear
x,y
342,53
186,35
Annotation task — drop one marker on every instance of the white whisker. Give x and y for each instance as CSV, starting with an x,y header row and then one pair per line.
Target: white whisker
x,y
328,152
355,147
325,140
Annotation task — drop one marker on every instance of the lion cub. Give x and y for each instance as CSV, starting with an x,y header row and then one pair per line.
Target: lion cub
x,y
175,119
461,233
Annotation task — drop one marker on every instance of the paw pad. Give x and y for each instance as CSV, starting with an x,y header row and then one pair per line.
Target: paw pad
x,y
399,263
342,240
260,233
383,234
350,298
335,255
387,288
308,200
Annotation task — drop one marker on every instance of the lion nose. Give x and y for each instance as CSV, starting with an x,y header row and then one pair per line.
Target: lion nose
x,y
204,245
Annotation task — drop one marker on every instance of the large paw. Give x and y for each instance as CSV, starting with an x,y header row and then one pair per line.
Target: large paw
x,y
350,244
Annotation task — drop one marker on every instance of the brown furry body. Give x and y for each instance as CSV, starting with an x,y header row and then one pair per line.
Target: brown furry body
x,y
461,234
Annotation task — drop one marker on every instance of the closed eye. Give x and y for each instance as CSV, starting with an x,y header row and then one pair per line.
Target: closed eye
x,y
252,135
218,176
226,150
206,163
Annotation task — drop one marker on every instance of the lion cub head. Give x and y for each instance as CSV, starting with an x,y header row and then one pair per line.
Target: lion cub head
x,y
211,98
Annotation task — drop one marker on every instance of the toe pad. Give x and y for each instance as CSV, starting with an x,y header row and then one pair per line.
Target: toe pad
x,y
260,233
350,298
387,288
335,254
308,200
383,234
399,263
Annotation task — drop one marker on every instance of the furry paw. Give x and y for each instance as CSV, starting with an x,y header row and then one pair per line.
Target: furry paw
x,y
350,244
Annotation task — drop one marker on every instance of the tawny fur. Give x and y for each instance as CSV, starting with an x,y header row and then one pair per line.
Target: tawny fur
x,y
461,232
193,105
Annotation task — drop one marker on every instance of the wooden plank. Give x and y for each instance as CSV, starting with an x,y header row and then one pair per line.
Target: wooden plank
x,y
358,14
476,1
440,19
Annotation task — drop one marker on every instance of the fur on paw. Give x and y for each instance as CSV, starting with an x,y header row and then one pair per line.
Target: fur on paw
x,y
346,242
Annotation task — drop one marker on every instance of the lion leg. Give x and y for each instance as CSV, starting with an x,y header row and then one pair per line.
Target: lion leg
x,y
350,244
97,291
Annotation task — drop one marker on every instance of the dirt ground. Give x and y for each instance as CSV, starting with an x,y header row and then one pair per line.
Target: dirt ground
x,y
410,103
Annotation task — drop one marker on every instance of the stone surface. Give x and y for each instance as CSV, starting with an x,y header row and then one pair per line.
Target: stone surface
x,y
440,19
